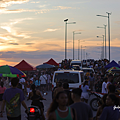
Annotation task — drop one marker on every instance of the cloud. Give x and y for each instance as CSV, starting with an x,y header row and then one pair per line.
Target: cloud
x,y
53,45
14,43
36,2
7,3
63,7
29,43
50,30
9,27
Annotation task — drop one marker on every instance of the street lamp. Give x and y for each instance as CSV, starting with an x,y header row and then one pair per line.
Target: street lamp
x,y
78,48
105,39
108,30
73,42
66,22
103,44
81,51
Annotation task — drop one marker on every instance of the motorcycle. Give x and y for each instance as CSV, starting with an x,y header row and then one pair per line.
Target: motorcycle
x,y
34,111
94,102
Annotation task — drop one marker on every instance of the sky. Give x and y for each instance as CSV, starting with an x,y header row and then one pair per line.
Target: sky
x,y
34,30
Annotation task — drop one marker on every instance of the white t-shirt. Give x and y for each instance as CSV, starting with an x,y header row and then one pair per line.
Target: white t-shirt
x,y
43,79
31,79
48,78
22,80
104,87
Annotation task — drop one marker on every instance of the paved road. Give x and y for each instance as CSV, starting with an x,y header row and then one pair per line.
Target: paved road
x,y
46,105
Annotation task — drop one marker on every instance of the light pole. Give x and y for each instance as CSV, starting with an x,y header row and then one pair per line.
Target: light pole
x,y
73,42
66,35
105,39
103,44
78,48
81,52
108,30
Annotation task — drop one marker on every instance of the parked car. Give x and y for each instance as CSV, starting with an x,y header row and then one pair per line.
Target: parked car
x,y
76,62
84,62
73,77
88,70
75,67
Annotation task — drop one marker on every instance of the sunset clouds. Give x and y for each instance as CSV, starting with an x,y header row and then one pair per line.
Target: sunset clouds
x,y
35,29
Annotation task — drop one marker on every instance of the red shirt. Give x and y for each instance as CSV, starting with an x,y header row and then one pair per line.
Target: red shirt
x,y
2,90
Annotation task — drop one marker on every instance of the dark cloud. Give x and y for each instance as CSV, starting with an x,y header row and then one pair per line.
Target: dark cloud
x,y
53,45
36,56
14,43
10,52
29,43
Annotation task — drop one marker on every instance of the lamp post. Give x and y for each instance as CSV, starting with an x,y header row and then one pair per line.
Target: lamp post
x,y
81,52
73,42
108,30
103,44
66,35
78,48
105,39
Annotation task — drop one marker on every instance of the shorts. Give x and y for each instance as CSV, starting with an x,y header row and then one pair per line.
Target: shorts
x,y
43,85
1,95
85,95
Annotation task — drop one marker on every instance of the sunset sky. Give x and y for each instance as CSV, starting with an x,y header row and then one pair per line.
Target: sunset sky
x,y
34,30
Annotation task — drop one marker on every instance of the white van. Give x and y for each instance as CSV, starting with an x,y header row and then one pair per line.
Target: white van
x,y
73,78
76,62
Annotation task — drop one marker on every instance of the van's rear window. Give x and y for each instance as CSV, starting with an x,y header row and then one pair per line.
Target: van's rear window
x,y
67,77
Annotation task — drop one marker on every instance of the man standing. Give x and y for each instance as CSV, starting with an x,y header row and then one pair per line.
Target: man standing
x,y
104,85
48,81
83,110
22,82
13,97
43,81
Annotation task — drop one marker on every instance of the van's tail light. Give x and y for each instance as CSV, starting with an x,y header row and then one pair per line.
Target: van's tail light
x,y
80,86
32,110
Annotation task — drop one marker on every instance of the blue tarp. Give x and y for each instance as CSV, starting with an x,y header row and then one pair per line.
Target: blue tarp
x,y
112,64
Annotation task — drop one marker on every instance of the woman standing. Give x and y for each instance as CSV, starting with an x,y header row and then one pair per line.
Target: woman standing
x,y
58,109
111,112
85,89
2,90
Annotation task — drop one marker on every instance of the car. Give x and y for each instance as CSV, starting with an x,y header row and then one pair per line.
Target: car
x,y
76,62
88,62
75,67
88,70
84,62
73,77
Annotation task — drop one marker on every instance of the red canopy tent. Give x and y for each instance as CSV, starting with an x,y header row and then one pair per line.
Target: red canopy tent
x,y
52,62
24,66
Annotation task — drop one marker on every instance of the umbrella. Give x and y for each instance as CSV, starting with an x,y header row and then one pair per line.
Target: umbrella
x,y
113,68
5,69
8,75
45,66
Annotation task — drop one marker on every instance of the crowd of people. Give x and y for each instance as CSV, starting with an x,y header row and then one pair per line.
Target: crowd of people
x,y
66,104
